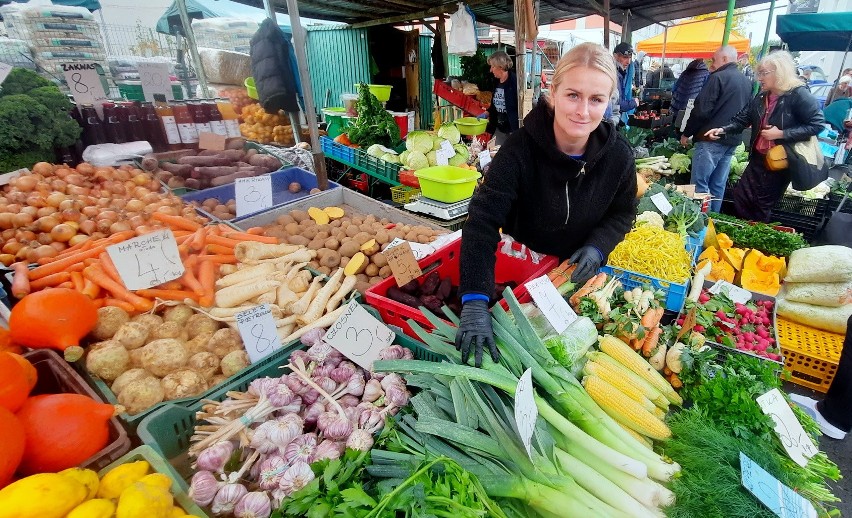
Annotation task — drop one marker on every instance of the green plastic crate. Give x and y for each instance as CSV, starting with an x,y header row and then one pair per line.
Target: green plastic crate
x,y
134,92
160,465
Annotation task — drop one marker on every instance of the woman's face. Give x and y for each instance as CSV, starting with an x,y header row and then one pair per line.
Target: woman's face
x,y
580,102
766,78
498,72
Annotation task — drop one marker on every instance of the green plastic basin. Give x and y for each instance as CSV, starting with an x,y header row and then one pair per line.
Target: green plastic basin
x,y
471,126
447,183
382,92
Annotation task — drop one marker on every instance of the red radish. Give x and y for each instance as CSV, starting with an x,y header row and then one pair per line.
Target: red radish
x,y
699,328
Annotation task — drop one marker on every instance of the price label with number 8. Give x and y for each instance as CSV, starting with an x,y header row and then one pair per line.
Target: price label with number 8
x,y
258,331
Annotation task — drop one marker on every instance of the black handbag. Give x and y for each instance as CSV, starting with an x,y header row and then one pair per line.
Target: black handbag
x,y
806,164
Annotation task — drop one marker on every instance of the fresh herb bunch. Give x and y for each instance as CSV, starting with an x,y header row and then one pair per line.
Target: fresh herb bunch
x,y
374,124
759,236
475,69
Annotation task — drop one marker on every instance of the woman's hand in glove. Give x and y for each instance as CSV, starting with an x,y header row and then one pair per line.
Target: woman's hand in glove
x,y
588,260
475,332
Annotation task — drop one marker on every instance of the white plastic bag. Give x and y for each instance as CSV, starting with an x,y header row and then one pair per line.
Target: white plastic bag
x,y
462,37
103,155
830,294
827,263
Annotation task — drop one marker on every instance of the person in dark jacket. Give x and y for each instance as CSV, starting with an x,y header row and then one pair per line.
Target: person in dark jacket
x,y
725,93
624,103
688,85
270,67
503,112
784,111
564,184
652,80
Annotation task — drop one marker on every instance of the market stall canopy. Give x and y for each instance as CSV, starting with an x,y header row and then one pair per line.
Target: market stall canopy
x,y
692,40
816,31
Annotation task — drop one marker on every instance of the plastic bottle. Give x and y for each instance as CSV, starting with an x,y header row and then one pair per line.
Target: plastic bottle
x,y
133,124
217,124
229,117
154,133
167,119
186,125
113,129
93,130
199,116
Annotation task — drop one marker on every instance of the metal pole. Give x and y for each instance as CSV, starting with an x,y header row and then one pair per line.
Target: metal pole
x,y
607,19
270,11
193,48
104,30
626,33
663,57
765,45
729,21
293,116
310,111
520,55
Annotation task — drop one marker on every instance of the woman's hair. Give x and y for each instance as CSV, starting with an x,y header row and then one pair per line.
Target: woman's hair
x,y
500,59
590,55
781,62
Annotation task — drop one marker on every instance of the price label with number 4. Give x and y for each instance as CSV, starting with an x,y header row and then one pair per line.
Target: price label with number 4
x,y
358,335
258,331
148,260
793,437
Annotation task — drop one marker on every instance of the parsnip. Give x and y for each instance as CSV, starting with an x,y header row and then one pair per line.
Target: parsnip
x,y
324,321
317,305
269,297
216,313
248,251
286,321
298,256
300,306
345,288
284,332
235,295
261,270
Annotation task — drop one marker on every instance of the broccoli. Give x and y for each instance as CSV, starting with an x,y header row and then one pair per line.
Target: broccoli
x,y
683,218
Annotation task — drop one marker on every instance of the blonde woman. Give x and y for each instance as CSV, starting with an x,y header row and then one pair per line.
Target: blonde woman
x,y
563,184
783,111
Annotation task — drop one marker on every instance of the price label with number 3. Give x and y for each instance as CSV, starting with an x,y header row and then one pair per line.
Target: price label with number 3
x,y
358,335
258,331
148,260
253,194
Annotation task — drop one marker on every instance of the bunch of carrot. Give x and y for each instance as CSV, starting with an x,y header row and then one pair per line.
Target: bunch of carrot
x,y
88,268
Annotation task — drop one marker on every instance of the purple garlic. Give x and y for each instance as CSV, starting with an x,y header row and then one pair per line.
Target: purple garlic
x,y
278,495
338,429
325,383
280,395
328,450
356,384
253,505
392,352
294,407
360,440
396,395
324,419
276,434
214,458
299,354
353,413
371,419
296,477
262,386
296,384
372,391
310,397
226,499
349,400
313,337
392,379
271,470
301,448
342,372
322,370
312,413
203,488
319,352
407,354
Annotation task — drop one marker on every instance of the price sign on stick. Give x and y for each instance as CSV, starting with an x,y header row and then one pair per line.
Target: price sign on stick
x,y
484,158
526,412
402,263
258,331
779,498
442,156
359,336
796,442
155,80
253,194
85,84
550,302
148,260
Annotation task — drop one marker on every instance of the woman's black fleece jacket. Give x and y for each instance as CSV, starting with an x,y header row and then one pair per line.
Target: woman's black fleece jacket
x,y
547,200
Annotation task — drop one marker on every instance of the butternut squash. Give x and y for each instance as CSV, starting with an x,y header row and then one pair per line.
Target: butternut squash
x,y
757,281
735,256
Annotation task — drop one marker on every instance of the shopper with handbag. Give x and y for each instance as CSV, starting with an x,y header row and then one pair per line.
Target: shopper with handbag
x,y
784,112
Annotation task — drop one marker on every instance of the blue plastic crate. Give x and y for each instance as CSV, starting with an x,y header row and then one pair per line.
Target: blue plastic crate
x,y
675,293
695,245
280,195
337,151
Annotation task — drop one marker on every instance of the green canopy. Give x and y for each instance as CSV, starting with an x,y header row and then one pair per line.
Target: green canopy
x,y
169,22
816,31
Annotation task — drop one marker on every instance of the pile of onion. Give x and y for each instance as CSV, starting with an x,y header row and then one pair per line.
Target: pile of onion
x,y
56,206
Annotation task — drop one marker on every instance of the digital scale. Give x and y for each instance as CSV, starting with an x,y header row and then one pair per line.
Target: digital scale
x,y
438,209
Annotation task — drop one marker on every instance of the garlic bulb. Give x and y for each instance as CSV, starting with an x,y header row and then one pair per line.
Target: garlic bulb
x,y
372,391
301,448
271,470
360,440
325,383
299,354
312,413
392,379
296,384
280,395
296,477
396,395
355,385
322,370
294,407
342,372
328,450
262,386
392,352
371,419
310,396
203,487
349,401
226,499
324,419
313,337
338,429
253,505
215,457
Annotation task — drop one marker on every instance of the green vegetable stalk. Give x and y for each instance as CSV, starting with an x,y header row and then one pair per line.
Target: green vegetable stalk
x,y
374,124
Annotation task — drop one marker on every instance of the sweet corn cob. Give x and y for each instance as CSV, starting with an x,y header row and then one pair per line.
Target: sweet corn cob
x,y
625,410
626,356
638,381
620,383
642,439
659,412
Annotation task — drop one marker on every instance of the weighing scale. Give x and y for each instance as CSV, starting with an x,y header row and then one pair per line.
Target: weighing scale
x,y
438,209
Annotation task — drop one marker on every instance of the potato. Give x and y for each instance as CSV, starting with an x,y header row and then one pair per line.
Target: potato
x,y
224,341
169,330
179,314
362,277
292,228
127,377
285,219
234,362
108,361
357,219
324,228
316,244
343,261
132,335
324,270
361,238
310,233
375,280
362,287
385,272
278,233
198,344
331,258
372,270
379,259
334,223
352,230
382,237
205,362
148,319
298,240
367,227
411,236
183,383
198,324
299,215
163,356
370,247
384,221
141,394
357,265
110,319
348,248
332,243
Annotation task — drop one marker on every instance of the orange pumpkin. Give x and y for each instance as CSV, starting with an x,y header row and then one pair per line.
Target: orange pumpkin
x,y
6,342
70,316
29,369
14,387
13,445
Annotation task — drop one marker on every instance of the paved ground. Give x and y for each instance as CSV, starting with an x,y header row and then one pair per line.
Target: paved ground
x,y
838,451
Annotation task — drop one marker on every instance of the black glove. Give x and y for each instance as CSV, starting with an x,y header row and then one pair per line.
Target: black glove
x,y
475,332
588,260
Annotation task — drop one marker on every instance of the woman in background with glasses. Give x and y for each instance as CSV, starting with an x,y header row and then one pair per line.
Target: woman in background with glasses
x,y
783,111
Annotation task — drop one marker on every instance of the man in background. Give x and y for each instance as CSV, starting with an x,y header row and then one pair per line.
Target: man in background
x,y
625,104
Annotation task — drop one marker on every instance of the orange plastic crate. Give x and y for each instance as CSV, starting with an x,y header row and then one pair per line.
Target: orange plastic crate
x,y
811,355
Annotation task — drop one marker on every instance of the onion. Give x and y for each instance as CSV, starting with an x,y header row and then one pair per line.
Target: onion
x,y
12,208
26,236
62,172
44,238
24,183
169,210
36,200
150,198
135,205
18,198
139,192
23,253
110,215
154,185
88,227
45,211
71,215
103,225
90,211
7,259
136,221
45,251
103,202
55,199
5,220
76,190
97,235
85,168
118,188
32,211
76,179
12,247
58,185
77,239
63,232
9,233
58,245
69,204
21,219
47,223
118,203
122,174
43,168
119,226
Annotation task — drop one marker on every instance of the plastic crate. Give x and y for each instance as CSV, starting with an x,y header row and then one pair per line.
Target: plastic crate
x,y
468,104
160,465
169,429
446,262
408,178
377,167
403,194
675,293
55,376
280,194
808,226
132,421
810,355
695,245
337,151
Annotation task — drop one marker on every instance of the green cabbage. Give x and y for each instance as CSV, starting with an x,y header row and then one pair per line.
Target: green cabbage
x,y
377,150
420,141
416,160
433,160
462,150
680,163
450,132
403,157
436,142
457,160
390,157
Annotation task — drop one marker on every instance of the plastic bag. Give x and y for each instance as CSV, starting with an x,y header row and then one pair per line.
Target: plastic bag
x,y
462,37
833,320
570,347
103,155
829,294
829,263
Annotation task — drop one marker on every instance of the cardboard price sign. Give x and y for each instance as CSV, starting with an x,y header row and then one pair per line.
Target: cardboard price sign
x,y
253,194
258,331
358,335
148,260
402,263
155,80
796,442
688,323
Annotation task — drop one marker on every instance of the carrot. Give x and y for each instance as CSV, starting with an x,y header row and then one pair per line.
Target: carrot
x,y
595,283
652,318
171,285
126,306
85,245
90,289
63,264
179,295
118,237
636,344
197,241
651,341
257,231
96,274
556,272
245,236
67,284
78,281
175,222
219,240
50,280
182,233
20,281
219,259
219,250
99,303
109,267
188,279
207,279
185,238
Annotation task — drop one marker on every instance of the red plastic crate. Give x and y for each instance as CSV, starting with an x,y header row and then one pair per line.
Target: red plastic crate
x,y
407,178
446,262
467,103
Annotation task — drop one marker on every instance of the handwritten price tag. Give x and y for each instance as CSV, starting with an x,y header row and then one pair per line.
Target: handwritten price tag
x,y
526,412
484,158
4,71
419,250
85,84
733,292
688,322
258,331
447,148
155,80
550,302
359,336
662,203
148,260
442,156
253,194
779,498
402,263
796,442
